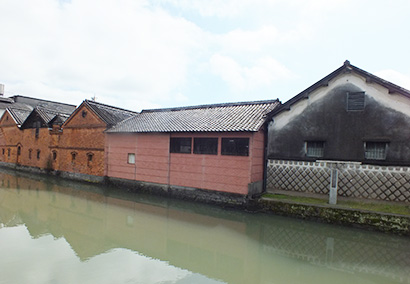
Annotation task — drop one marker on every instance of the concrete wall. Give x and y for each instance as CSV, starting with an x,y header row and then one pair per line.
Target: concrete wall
x,y
155,164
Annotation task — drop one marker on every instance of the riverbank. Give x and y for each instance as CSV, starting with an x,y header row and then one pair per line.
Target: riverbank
x,y
371,215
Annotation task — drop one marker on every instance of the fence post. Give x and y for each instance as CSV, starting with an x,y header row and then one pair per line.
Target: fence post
x,y
333,186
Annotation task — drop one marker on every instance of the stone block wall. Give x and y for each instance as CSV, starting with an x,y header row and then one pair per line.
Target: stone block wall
x,y
353,179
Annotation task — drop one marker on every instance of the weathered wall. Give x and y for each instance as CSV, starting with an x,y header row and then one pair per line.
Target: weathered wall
x,y
323,116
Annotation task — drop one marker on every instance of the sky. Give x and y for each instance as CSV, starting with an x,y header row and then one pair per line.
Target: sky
x,y
168,53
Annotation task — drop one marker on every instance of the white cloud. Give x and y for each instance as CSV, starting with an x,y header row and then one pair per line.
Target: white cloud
x,y
107,48
242,78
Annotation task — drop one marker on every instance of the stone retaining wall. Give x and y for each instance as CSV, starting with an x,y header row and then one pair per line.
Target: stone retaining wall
x,y
351,179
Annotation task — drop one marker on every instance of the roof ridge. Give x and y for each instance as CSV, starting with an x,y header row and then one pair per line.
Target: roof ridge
x,y
41,100
211,106
346,67
109,106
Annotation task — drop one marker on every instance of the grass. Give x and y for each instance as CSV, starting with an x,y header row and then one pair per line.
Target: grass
x,y
402,209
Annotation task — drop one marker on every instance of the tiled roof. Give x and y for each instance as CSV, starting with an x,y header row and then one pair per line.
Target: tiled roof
x,y
47,114
19,112
45,104
109,114
245,116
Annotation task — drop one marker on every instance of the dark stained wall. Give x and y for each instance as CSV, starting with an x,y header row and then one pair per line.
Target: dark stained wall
x,y
344,132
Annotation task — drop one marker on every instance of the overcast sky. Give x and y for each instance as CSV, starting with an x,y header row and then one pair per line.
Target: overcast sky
x,y
149,54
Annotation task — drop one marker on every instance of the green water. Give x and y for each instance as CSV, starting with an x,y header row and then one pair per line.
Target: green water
x,y
54,231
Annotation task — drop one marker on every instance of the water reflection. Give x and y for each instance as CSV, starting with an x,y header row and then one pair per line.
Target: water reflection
x,y
62,232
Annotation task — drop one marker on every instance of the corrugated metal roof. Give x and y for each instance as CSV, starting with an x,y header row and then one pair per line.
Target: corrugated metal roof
x,y
109,114
230,117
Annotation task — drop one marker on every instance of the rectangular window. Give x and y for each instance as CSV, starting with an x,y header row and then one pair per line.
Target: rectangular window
x,y
314,149
206,146
235,146
180,145
375,150
131,158
355,101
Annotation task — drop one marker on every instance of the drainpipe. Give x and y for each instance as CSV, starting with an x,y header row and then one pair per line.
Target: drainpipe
x,y
265,155
169,162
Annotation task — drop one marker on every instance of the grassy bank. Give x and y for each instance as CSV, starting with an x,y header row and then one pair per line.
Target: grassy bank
x,y
373,206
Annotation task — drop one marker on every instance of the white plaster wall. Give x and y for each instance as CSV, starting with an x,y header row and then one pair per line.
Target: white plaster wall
x,y
381,94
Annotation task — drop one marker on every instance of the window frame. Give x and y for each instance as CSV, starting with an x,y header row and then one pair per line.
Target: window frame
x,y
177,148
353,103
131,161
311,151
238,150
201,149
370,153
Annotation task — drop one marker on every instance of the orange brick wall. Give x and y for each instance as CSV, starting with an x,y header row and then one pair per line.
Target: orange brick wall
x,y
83,136
155,164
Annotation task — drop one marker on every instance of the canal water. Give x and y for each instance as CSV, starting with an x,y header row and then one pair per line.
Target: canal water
x,y
55,231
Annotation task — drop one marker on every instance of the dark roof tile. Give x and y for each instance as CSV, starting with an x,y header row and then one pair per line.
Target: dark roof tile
x,y
109,114
229,117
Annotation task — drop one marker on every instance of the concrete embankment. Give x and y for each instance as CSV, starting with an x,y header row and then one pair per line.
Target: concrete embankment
x,y
378,221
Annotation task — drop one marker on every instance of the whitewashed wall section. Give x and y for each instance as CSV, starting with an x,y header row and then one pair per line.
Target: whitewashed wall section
x,y
353,179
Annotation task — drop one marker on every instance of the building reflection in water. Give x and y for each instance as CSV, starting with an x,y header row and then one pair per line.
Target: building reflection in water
x,y
226,245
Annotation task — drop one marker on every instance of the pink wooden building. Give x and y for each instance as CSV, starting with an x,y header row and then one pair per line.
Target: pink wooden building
x,y
211,147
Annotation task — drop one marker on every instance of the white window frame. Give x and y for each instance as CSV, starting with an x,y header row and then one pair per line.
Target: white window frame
x,y
131,158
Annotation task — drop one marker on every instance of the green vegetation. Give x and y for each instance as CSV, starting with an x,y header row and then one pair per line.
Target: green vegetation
x,y
374,206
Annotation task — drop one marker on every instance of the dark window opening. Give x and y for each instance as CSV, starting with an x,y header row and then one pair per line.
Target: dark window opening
x,y
18,151
355,101
235,146
315,149
73,156
29,153
54,155
84,113
206,146
90,157
38,154
3,151
180,145
375,150
8,152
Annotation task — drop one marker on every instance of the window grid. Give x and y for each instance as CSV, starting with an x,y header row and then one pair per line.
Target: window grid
x,y
375,150
315,149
